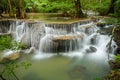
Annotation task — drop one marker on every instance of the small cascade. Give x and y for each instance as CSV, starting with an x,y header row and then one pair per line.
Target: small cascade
x,y
61,38
4,26
28,33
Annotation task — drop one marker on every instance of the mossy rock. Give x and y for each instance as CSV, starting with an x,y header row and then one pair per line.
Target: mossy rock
x,y
116,37
105,31
113,75
114,64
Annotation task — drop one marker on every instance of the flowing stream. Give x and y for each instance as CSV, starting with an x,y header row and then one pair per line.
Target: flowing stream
x,y
73,51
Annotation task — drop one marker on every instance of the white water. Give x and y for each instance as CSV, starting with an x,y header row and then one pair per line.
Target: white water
x,y
82,38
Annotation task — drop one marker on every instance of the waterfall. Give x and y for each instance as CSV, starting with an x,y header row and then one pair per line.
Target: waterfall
x,y
47,37
28,33
4,26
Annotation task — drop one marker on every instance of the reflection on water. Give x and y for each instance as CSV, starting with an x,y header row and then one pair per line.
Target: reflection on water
x,y
64,67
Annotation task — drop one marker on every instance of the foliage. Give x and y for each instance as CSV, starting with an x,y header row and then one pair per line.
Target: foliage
x,y
17,45
47,5
5,42
117,8
114,9
9,69
53,6
100,6
117,58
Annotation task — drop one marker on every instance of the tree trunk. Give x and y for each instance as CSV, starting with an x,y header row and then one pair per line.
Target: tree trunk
x,y
79,12
10,8
21,10
111,8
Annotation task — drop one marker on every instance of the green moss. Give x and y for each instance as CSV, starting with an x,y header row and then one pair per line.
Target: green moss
x,y
117,58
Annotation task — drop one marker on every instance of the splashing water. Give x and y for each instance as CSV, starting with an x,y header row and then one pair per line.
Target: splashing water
x,y
59,38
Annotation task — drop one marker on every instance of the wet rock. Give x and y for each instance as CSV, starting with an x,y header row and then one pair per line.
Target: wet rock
x,y
28,51
9,56
93,40
91,49
114,64
31,50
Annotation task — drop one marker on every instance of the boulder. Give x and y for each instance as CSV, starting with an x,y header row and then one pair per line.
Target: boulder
x,y
93,40
9,56
91,49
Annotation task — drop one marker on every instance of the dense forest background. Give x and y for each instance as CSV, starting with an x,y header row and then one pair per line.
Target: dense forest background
x,y
73,8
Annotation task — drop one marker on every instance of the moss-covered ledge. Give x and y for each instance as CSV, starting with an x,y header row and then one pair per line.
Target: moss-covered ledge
x,y
116,37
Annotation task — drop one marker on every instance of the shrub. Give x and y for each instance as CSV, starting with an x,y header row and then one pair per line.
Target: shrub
x,y
117,8
5,42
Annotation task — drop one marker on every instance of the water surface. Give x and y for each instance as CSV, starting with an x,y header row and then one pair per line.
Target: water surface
x,y
70,66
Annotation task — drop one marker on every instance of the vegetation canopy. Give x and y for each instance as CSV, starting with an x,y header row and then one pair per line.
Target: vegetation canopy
x,y
72,8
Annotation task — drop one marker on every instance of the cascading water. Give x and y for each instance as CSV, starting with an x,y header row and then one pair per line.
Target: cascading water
x,y
28,33
4,26
57,38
